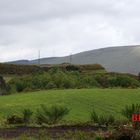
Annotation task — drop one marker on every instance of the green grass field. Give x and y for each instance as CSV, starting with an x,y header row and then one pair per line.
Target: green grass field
x,y
80,101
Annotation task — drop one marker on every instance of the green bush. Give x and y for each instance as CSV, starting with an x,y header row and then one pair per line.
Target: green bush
x,y
63,80
129,110
88,81
102,80
40,81
14,119
20,86
4,88
27,113
21,83
125,81
102,119
54,69
51,115
51,85
106,120
94,117
58,79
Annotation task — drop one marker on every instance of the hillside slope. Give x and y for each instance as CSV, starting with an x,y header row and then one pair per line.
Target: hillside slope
x,y
80,102
117,59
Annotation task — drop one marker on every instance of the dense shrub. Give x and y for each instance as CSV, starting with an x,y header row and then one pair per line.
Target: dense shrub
x,y
4,88
114,74
18,69
51,85
94,117
129,110
63,80
106,120
20,86
39,81
54,69
88,81
30,82
27,113
125,81
21,83
24,119
102,80
58,79
102,119
14,119
51,115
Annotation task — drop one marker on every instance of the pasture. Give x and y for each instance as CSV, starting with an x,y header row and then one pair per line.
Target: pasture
x,y
80,101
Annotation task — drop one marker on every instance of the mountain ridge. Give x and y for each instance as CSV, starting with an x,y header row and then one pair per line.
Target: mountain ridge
x,y
125,59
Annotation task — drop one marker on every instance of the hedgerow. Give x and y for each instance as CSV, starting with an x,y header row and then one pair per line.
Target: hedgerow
x,y
58,79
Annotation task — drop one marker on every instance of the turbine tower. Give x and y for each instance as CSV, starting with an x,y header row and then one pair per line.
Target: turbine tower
x,y
39,57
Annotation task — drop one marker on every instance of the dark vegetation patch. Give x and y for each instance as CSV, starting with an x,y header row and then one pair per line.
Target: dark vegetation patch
x,y
30,69
4,88
70,133
18,69
64,76
58,79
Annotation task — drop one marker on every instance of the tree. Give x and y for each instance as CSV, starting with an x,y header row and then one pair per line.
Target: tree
x,y
3,86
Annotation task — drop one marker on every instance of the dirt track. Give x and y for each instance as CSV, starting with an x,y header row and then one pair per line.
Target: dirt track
x,y
15,132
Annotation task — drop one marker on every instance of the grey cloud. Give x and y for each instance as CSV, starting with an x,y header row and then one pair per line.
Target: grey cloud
x,y
17,11
61,27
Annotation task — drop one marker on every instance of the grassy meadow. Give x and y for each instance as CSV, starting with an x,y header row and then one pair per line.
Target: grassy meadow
x,y
80,101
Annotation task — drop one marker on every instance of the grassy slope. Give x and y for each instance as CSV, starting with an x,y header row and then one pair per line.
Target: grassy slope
x,y
80,101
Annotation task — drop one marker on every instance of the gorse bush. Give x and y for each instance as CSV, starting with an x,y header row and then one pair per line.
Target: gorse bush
x,y
51,115
102,119
123,81
94,117
27,113
130,109
39,81
4,87
106,120
88,81
59,79
102,80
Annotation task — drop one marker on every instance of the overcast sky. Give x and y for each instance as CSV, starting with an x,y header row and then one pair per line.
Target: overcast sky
x,y
62,27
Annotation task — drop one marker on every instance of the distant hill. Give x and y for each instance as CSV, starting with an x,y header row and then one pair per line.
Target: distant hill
x,y
125,59
19,62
